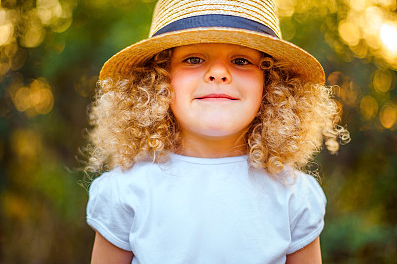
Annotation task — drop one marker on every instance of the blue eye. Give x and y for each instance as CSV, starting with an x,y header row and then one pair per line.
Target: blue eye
x,y
194,60
241,61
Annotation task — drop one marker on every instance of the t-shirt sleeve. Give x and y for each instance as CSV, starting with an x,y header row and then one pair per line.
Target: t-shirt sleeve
x,y
106,214
309,215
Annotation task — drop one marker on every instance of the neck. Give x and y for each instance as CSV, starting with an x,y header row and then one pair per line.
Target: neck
x,y
212,147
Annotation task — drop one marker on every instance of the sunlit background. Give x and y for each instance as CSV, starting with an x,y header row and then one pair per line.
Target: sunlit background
x,y
51,52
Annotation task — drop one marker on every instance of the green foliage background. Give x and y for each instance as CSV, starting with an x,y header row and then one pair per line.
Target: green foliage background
x,y
42,202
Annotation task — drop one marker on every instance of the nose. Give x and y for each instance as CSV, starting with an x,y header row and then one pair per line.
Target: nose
x,y
218,73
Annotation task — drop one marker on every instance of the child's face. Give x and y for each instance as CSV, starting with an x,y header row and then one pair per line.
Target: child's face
x,y
218,89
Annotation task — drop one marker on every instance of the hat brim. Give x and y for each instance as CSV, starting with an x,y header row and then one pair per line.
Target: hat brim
x,y
304,64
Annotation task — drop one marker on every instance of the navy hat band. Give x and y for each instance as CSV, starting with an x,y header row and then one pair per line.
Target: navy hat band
x,y
216,20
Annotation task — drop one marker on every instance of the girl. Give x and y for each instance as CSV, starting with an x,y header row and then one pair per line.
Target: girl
x,y
202,128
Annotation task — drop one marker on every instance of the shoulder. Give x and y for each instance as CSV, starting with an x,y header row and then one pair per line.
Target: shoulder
x,y
306,210
127,186
307,187
298,183
300,192
120,191
301,188
112,206
293,183
119,177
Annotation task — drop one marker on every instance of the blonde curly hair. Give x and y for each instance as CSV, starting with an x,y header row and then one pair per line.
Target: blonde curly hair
x,y
132,120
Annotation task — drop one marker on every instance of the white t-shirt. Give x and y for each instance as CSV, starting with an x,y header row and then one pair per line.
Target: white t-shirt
x,y
198,210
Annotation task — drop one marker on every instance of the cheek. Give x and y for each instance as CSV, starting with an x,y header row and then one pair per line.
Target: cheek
x,y
184,82
180,81
253,85
180,78
178,85
254,92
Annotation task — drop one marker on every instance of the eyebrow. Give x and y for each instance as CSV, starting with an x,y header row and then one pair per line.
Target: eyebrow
x,y
191,50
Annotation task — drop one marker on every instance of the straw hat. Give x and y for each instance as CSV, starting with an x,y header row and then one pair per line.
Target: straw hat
x,y
249,23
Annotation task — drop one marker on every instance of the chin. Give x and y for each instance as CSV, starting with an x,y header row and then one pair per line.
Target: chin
x,y
219,132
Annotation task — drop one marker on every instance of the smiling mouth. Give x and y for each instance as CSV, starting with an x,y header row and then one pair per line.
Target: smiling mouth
x,y
217,97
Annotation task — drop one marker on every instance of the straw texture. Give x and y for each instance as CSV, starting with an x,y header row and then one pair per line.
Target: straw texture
x,y
169,11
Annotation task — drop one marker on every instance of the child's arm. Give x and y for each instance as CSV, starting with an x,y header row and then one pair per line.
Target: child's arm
x,y
311,254
107,253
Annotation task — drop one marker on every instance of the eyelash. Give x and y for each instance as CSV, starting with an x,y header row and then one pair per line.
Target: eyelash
x,y
245,61
188,60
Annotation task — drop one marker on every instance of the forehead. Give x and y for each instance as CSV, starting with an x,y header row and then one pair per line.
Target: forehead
x,y
217,47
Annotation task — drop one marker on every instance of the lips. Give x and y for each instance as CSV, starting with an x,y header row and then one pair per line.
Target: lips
x,y
216,97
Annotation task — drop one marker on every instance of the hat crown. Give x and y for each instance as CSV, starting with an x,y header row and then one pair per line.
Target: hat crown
x,y
169,11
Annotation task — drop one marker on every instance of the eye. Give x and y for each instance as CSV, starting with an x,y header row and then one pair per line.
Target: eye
x,y
241,61
194,60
